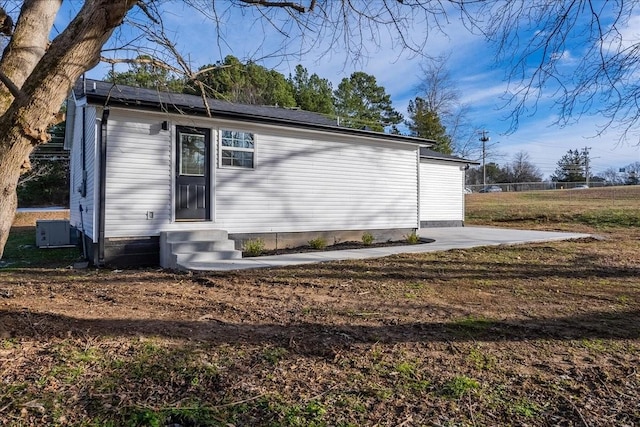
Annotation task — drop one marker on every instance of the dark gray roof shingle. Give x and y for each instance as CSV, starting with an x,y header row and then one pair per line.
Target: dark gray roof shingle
x,y
107,93
135,96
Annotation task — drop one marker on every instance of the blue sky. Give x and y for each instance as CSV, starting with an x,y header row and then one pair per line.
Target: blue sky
x,y
480,80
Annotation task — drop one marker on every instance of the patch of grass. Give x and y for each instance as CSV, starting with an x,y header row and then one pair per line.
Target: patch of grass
x,y
9,343
274,354
623,299
21,251
610,218
481,360
472,324
525,408
595,344
191,414
407,369
601,208
143,417
411,378
310,414
378,390
459,386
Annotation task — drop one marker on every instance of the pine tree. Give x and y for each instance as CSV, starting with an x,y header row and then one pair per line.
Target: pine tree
x,y
362,104
312,93
570,167
425,123
248,83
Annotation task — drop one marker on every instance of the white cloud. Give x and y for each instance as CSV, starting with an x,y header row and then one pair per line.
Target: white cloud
x,y
484,94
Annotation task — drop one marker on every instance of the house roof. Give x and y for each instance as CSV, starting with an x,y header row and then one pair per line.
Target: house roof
x,y
426,153
107,93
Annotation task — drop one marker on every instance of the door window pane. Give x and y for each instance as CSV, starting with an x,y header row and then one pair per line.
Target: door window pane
x,y
192,155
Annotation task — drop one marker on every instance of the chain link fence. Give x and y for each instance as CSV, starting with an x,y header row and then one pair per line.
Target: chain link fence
x,y
534,186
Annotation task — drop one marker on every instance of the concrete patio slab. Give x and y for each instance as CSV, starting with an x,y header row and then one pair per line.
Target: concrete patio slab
x,y
445,238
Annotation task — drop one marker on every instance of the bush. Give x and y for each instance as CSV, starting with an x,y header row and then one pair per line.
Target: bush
x,y
367,238
318,243
253,247
412,238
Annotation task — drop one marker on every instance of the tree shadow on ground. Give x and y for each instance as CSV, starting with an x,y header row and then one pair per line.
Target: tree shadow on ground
x,y
319,338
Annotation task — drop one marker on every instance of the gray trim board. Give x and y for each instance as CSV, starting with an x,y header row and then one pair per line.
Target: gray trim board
x,y
433,224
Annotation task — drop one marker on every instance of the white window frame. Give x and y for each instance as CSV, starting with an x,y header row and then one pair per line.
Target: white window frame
x,y
222,148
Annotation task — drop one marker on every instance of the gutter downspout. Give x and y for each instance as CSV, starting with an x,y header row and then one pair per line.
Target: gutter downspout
x,y
103,183
419,198
83,184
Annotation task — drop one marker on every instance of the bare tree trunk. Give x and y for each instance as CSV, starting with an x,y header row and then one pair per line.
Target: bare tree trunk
x,y
11,158
24,122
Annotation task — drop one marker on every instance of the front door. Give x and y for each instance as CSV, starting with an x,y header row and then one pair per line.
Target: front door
x,y
193,168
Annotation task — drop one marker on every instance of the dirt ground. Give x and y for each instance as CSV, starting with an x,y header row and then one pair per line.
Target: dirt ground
x,y
28,219
544,334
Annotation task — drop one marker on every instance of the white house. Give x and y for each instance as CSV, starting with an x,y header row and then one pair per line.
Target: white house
x,y
157,180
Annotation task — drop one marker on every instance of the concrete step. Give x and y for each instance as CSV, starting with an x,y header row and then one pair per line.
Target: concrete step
x,y
222,265
182,258
195,235
200,246
180,248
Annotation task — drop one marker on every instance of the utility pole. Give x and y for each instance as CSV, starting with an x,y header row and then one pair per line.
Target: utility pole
x,y
585,153
484,139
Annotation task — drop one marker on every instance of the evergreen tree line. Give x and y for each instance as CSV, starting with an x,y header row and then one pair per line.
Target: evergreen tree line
x,y
358,101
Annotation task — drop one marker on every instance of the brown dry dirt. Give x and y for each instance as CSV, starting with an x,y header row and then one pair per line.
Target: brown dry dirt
x,y
531,335
28,219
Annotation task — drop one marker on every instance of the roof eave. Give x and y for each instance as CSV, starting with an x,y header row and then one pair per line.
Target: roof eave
x,y
443,159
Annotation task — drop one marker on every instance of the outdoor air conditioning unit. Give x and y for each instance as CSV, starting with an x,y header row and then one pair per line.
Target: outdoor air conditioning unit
x,y
53,233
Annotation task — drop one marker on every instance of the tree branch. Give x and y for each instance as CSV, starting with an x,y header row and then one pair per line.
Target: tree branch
x,y
6,23
15,90
160,64
283,4
141,60
145,9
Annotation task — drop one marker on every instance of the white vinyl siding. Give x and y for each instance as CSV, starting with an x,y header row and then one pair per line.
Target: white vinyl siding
x,y
302,181
88,219
303,184
441,191
139,174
